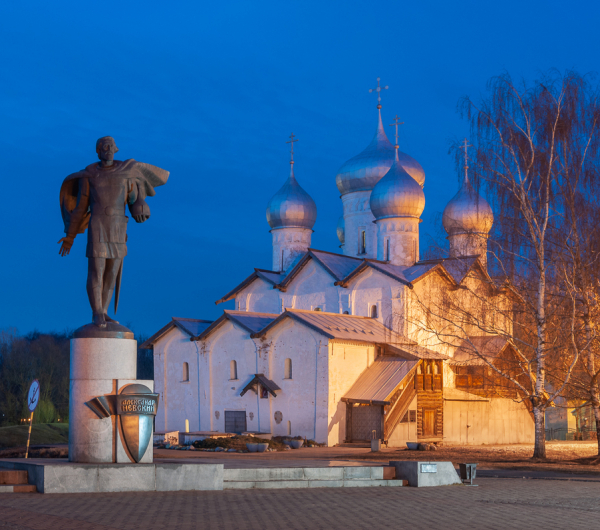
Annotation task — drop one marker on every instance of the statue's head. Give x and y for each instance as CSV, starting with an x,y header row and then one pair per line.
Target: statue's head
x,y
106,148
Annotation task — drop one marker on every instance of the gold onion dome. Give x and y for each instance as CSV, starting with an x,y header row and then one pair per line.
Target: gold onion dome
x,y
467,212
363,172
291,206
397,194
341,230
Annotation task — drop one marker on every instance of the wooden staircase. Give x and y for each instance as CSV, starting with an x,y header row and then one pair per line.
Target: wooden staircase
x,y
15,482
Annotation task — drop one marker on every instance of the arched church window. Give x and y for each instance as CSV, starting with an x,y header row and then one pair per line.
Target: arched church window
x,y
419,370
362,242
373,311
346,312
436,369
233,370
428,368
387,250
287,369
317,309
186,372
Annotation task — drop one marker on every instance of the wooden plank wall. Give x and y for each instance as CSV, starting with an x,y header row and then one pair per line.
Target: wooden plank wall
x,y
429,388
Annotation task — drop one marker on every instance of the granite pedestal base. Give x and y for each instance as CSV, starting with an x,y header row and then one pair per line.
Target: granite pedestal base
x,y
100,366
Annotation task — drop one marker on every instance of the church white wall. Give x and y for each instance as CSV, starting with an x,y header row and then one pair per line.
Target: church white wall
x,y
313,287
357,217
398,241
373,288
178,398
497,421
347,361
288,245
303,399
220,393
259,297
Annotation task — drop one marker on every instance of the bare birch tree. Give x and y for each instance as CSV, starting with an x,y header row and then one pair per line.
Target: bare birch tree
x,y
527,140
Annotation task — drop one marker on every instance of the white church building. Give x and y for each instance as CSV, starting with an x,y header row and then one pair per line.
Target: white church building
x,y
332,346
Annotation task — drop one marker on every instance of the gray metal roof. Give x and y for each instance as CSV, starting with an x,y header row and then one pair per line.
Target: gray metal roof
x,y
260,379
458,268
251,322
418,270
336,326
378,382
338,264
191,326
269,276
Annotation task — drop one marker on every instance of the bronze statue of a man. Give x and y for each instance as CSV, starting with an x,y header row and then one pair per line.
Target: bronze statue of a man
x,y
95,198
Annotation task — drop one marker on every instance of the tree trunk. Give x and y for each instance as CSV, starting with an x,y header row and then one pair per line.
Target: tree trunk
x,y
539,450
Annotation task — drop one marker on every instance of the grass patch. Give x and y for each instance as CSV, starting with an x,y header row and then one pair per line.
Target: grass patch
x,y
41,434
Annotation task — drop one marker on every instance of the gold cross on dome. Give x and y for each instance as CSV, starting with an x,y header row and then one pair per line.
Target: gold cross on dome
x,y
465,147
378,90
292,140
396,123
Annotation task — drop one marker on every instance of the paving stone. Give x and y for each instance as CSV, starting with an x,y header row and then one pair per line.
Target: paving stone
x,y
497,504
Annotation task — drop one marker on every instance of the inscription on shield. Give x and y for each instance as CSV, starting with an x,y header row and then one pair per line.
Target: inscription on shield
x,y
136,407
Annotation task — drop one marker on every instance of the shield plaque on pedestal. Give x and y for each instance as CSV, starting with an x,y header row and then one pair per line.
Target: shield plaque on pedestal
x,y
136,407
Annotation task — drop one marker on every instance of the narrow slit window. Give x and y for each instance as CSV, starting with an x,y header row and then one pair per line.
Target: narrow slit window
x,y
373,311
186,372
289,426
363,242
387,250
287,369
233,370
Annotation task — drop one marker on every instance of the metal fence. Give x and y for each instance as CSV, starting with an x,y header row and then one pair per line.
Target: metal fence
x,y
565,434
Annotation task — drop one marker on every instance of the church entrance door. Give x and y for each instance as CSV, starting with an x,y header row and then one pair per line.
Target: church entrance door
x,y
365,420
235,421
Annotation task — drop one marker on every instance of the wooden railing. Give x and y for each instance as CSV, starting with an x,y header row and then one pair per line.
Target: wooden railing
x,y
399,408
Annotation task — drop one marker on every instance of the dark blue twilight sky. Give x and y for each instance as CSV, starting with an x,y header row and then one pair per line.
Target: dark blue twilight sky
x,y
211,91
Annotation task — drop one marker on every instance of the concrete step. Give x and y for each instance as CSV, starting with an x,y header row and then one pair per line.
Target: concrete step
x,y
311,477
13,477
18,488
285,484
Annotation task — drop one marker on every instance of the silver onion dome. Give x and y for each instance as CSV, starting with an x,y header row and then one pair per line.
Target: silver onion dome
x,y
467,212
291,206
363,171
341,230
397,194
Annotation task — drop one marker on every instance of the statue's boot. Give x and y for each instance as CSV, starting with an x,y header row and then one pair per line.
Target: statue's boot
x,y
94,290
95,295
108,319
98,319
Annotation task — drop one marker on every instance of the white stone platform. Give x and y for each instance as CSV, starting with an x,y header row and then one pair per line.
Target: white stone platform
x,y
61,476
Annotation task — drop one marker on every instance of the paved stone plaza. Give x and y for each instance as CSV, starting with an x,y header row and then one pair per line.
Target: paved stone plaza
x,y
498,503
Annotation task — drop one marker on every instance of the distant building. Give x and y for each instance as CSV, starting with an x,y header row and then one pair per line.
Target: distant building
x,y
332,347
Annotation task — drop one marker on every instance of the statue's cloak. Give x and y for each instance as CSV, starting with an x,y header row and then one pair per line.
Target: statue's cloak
x,y
146,176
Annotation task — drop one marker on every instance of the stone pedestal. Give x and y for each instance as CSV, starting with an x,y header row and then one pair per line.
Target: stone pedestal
x,y
99,366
